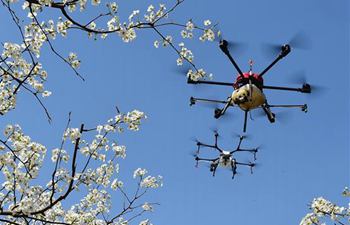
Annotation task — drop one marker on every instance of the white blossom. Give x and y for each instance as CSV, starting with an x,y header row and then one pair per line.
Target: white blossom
x,y
156,44
207,22
324,210
140,172
197,75
152,182
147,207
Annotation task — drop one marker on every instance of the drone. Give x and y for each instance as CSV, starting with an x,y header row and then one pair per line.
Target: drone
x,y
248,93
226,158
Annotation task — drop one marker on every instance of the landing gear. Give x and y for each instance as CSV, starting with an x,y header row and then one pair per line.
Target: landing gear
x,y
270,115
304,108
217,113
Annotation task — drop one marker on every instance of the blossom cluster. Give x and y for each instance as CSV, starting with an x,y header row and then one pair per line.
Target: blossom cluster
x,y
96,176
36,34
197,75
15,72
20,158
186,54
323,210
88,159
152,15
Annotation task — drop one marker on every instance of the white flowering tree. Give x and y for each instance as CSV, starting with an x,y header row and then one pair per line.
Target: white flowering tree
x,y
19,65
325,212
85,166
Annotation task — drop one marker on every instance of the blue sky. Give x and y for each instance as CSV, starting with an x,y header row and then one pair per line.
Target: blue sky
x,y
303,157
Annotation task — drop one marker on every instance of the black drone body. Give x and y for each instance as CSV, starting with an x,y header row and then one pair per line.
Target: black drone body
x,y
226,158
248,93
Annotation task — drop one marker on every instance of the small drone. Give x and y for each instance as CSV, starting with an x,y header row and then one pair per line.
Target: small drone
x,y
225,159
248,89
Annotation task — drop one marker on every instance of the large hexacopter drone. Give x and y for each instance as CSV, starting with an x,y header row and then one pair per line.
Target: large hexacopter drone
x,y
226,158
248,93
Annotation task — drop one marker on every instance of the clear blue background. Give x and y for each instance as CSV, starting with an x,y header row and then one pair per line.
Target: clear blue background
x,y
303,157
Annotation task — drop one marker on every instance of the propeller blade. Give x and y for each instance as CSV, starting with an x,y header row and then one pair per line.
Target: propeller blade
x,y
299,78
193,154
235,47
180,72
299,41
271,50
181,69
194,139
259,147
209,105
227,117
281,116
245,136
258,113
215,130
255,164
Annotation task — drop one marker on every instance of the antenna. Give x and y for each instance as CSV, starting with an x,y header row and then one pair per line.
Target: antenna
x,y
250,66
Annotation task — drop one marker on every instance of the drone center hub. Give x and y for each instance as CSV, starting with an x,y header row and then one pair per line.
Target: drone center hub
x,y
226,153
248,97
225,159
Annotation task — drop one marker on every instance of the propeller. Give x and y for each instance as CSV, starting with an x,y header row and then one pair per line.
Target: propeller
x,y
281,116
194,139
298,41
257,150
252,165
299,78
238,136
215,130
227,117
181,69
193,153
235,47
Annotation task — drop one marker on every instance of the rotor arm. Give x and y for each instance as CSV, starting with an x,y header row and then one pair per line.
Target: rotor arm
x,y
285,50
210,146
306,88
251,165
189,81
215,146
253,150
303,107
241,137
245,150
216,135
193,101
224,48
204,159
